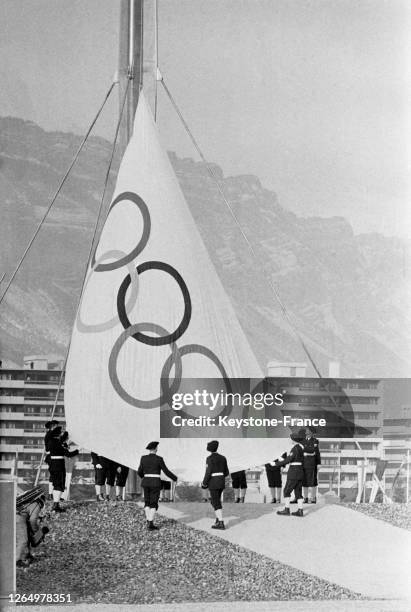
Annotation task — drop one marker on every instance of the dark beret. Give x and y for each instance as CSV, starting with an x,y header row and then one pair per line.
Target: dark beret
x,y
212,446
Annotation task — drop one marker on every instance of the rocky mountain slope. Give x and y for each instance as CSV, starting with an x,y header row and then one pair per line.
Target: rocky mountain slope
x,y
347,295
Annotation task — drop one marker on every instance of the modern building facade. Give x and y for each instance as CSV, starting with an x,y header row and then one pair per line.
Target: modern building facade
x,y
397,452
27,398
358,400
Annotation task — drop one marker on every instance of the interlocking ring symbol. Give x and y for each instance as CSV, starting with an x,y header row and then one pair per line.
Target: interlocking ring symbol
x,y
165,396
133,276
122,314
142,206
162,337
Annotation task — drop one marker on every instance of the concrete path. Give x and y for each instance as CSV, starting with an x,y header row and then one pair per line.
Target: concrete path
x,y
343,546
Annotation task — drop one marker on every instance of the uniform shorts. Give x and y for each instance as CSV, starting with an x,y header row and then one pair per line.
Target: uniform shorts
x,y
274,477
106,474
58,479
215,495
294,483
121,477
239,480
310,476
151,496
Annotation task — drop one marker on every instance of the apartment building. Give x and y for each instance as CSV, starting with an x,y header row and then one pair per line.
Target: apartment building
x,y
397,452
27,397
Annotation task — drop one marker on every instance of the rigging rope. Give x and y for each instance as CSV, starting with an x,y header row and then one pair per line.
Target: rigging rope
x,y
96,225
250,246
57,192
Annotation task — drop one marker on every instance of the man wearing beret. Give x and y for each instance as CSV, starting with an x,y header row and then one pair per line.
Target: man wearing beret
x,y
149,470
214,480
57,466
295,460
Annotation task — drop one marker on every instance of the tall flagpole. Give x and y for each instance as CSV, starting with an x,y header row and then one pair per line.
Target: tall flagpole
x,y
130,63
137,68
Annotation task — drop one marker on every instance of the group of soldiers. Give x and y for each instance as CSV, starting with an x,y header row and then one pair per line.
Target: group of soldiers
x,y
108,474
302,462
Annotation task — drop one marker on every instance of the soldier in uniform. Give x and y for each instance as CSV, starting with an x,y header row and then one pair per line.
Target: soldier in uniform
x,y
105,471
214,479
239,482
274,479
295,474
150,469
57,466
121,479
312,459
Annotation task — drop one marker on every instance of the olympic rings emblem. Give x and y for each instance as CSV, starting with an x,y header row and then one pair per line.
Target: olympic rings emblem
x,y
162,336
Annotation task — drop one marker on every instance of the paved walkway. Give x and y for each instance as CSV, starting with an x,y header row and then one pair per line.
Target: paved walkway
x,y
343,546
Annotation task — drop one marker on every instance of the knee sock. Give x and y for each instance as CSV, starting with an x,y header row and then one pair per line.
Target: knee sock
x,y
287,501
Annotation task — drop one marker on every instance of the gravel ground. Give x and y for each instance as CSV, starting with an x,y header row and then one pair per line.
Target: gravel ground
x,y
104,553
395,514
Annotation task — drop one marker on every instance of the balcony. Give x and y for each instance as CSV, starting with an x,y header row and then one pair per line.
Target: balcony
x,y
38,384
7,433
11,384
11,399
36,401
11,448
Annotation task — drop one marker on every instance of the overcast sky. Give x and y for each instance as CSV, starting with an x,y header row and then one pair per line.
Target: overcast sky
x,y
313,97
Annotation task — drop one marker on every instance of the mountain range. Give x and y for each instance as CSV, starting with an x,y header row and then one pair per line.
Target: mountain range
x,y
347,295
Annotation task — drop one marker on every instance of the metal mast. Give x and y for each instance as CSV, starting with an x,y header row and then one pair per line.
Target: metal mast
x,y
130,62
137,68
